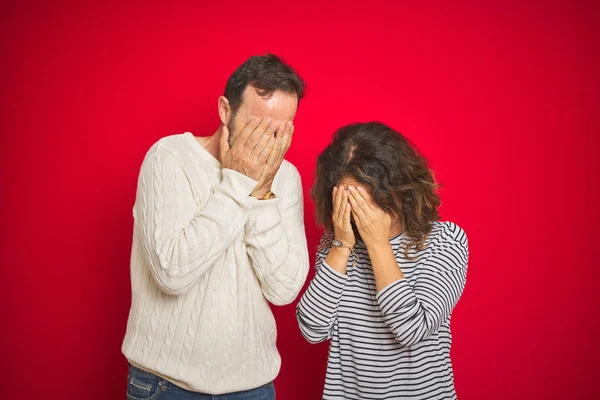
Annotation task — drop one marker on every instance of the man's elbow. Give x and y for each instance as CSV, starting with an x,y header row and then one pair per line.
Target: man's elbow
x,y
176,281
172,284
173,287
282,298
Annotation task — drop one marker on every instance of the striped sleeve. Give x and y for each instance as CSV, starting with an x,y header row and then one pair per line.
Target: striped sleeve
x,y
415,312
317,310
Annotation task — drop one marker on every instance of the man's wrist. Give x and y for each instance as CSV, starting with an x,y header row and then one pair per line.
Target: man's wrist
x,y
263,195
259,194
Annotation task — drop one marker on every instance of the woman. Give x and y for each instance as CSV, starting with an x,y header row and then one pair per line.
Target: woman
x,y
388,273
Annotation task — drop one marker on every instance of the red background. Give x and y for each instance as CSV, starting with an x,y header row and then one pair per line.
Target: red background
x,y
502,98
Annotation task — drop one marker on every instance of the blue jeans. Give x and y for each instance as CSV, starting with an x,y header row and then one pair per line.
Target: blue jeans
x,y
143,385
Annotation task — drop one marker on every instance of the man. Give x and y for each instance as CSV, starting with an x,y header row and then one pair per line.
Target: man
x,y
218,231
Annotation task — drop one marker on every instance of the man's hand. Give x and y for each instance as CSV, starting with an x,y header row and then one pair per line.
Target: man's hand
x,y
283,140
372,222
251,148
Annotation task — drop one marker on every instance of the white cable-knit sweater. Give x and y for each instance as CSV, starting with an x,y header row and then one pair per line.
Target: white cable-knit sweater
x,y
206,257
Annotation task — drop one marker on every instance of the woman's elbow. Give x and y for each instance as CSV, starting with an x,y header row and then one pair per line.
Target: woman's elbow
x,y
312,334
410,337
406,341
313,337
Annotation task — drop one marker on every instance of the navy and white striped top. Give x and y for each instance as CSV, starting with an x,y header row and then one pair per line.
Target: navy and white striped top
x,y
394,344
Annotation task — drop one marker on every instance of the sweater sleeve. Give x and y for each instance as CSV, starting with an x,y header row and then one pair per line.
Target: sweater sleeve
x,y
317,310
276,242
415,313
182,239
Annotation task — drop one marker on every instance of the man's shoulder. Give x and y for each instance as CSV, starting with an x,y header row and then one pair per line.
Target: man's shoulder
x,y
171,147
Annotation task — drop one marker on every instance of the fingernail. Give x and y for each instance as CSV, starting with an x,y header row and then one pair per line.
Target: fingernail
x,y
268,120
257,120
272,127
351,187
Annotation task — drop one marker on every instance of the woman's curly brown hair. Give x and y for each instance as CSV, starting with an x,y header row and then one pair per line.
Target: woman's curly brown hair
x,y
390,165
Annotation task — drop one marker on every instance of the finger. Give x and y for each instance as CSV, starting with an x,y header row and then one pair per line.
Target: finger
x,y
264,139
279,133
260,130
224,141
342,205
346,216
264,155
356,219
240,138
360,201
274,155
286,139
267,135
368,199
357,211
335,202
287,135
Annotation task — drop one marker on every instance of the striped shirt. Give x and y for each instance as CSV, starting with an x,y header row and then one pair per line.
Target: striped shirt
x,y
394,344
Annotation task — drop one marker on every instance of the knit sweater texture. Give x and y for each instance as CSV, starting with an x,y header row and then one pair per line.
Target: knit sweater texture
x,y
207,258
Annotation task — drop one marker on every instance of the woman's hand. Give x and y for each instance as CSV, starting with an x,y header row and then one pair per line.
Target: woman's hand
x,y
341,217
372,222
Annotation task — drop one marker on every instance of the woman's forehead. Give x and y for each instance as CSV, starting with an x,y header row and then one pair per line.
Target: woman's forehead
x,y
351,181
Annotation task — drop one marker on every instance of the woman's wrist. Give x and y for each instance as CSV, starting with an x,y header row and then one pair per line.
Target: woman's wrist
x,y
378,245
338,259
342,243
342,250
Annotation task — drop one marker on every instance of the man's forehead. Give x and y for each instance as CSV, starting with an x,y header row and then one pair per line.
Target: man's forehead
x,y
278,105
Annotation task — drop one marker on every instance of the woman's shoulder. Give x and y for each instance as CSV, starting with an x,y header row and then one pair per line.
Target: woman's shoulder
x,y
446,235
447,230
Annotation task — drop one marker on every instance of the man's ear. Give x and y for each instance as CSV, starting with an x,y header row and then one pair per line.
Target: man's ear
x,y
224,110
